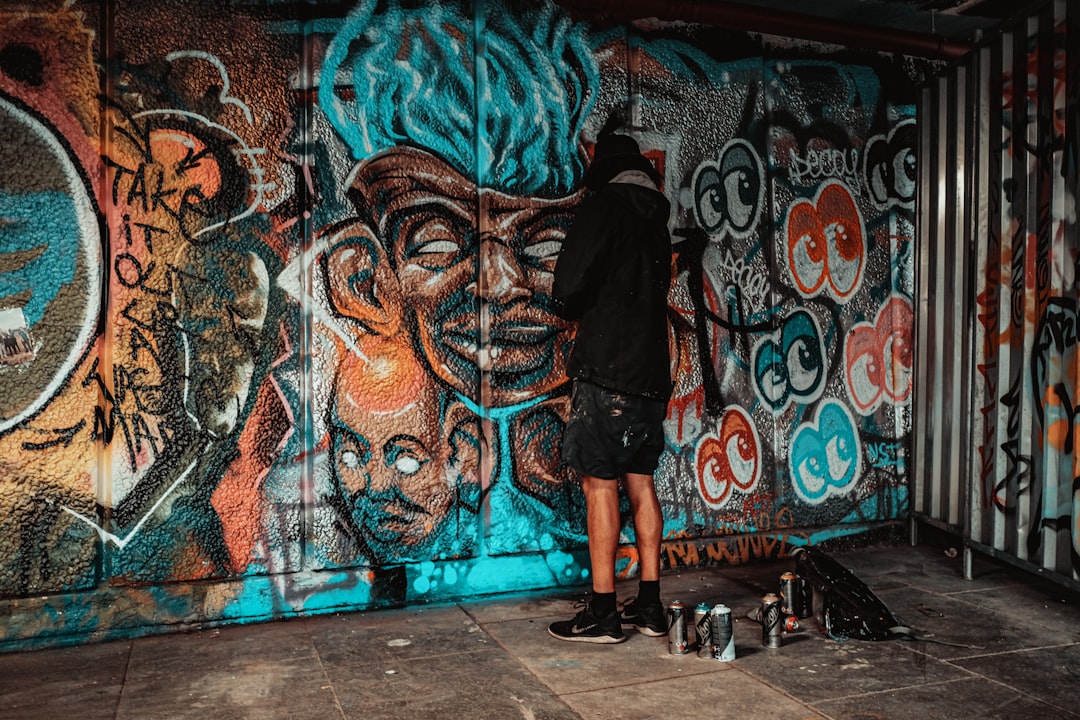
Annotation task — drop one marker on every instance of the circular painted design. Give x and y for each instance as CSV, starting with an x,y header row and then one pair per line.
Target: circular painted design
x,y
50,264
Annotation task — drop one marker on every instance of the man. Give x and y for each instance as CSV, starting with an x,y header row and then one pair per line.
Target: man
x,y
613,277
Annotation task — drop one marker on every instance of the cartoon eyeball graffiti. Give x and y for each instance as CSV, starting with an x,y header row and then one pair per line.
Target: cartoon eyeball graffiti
x,y
826,458
880,357
729,460
729,195
826,243
890,167
790,365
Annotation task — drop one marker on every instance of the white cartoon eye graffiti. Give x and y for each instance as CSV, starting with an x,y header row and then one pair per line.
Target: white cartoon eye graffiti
x,y
890,167
728,195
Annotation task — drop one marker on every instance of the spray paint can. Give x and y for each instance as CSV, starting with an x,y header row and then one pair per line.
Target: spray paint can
x,y
701,629
676,643
790,594
722,633
770,621
791,624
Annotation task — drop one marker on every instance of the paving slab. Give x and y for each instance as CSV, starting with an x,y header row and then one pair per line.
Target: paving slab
x,y
387,637
423,662
725,693
480,684
970,631
1050,674
569,667
1047,607
963,699
235,673
82,681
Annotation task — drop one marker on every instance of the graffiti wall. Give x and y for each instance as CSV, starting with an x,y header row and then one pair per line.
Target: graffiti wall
x,y
1009,475
276,334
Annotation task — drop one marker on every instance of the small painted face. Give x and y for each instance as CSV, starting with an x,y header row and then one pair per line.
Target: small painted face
x,y
399,480
461,255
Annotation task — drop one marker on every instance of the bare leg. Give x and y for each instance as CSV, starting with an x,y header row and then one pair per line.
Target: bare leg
x,y
602,507
648,523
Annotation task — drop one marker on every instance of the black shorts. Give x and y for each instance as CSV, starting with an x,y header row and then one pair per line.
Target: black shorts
x,y
612,433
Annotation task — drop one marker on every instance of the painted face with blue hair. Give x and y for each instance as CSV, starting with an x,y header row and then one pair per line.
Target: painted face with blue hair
x,y
468,176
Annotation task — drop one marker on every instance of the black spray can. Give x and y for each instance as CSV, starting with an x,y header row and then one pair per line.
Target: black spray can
x,y
790,594
676,636
723,636
702,635
771,627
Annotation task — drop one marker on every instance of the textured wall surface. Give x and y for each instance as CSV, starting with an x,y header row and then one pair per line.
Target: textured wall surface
x,y
275,326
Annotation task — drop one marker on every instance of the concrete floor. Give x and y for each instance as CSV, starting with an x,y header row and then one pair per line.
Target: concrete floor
x,y
494,659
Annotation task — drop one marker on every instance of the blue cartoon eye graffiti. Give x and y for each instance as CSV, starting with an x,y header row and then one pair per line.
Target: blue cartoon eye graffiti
x,y
790,367
825,457
728,195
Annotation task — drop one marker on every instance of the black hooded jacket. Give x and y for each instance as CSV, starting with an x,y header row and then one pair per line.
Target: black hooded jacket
x,y
613,277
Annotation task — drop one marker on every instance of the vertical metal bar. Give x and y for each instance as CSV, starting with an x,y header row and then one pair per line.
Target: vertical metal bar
x,y
937,299
956,242
1071,234
1026,212
944,260
922,467
1048,479
1002,237
984,294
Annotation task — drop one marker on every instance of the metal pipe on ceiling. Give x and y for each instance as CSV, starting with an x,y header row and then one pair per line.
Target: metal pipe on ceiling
x,y
769,21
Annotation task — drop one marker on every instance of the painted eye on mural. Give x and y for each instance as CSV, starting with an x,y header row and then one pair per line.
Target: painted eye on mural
x,y
890,168
808,255
434,241
804,364
739,167
405,454
728,196
740,199
709,200
845,262
905,174
812,475
544,253
543,238
351,456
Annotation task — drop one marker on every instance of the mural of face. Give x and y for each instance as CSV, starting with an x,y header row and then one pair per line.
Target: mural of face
x,y
398,480
474,270
50,260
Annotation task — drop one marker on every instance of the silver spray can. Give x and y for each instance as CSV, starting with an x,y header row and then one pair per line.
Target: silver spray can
x,y
771,622
790,594
676,636
702,634
723,636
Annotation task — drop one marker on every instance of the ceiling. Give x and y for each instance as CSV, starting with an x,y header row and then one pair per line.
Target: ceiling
x,y
960,20
940,29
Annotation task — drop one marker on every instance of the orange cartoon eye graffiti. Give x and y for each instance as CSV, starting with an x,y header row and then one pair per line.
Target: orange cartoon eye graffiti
x,y
729,460
880,357
826,243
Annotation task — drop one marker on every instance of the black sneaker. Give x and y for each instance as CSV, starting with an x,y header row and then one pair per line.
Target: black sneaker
x,y
649,620
587,627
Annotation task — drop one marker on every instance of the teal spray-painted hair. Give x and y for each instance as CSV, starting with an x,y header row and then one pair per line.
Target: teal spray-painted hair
x,y
414,79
